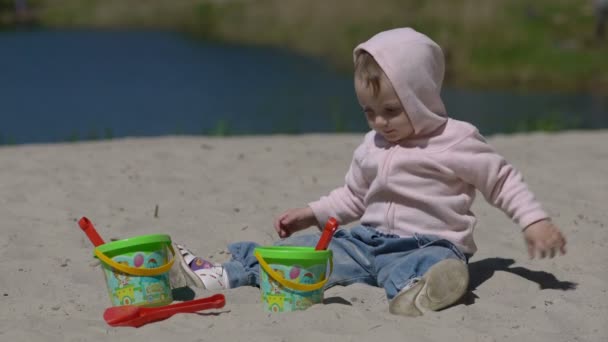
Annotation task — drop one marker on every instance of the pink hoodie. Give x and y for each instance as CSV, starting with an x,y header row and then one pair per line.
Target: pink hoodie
x,y
425,185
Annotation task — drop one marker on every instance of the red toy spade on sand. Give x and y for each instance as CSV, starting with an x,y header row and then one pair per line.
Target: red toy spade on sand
x,y
136,316
328,232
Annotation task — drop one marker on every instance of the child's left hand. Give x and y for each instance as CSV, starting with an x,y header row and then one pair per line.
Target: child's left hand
x,y
545,239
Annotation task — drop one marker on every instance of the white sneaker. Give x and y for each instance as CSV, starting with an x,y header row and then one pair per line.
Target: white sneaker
x,y
200,272
441,286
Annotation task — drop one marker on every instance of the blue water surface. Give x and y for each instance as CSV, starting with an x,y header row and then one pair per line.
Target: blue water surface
x,y
78,85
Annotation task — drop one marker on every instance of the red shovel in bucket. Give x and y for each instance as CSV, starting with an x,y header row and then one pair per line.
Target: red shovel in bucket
x,y
87,227
328,232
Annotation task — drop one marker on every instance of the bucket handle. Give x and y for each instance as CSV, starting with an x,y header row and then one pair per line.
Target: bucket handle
x,y
147,272
288,283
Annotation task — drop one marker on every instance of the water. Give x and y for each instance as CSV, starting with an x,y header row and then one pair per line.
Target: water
x,y
79,85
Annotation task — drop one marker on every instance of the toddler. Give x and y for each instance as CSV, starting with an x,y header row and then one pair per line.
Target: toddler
x,y
411,185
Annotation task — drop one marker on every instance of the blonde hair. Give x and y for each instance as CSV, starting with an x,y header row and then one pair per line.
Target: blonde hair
x,y
368,71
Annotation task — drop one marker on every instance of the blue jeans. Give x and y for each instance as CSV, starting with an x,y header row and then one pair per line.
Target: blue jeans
x,y
361,255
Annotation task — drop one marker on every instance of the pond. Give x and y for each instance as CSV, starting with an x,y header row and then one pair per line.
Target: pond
x,y
80,85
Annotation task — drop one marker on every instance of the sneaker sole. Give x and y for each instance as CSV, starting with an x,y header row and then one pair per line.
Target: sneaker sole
x,y
445,283
403,303
435,291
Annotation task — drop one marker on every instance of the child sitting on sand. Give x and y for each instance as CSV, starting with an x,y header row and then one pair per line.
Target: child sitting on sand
x,y
411,184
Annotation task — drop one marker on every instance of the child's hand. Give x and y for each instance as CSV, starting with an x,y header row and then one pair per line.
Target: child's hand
x,y
545,239
294,220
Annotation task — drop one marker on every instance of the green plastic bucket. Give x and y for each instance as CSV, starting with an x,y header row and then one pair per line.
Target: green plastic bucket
x,y
137,270
292,278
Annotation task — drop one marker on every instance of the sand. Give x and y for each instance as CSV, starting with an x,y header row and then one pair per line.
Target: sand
x,y
212,191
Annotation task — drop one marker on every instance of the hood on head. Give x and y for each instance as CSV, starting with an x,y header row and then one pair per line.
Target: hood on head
x,y
414,64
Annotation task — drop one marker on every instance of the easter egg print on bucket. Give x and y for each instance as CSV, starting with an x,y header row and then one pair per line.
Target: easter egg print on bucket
x,y
136,270
292,278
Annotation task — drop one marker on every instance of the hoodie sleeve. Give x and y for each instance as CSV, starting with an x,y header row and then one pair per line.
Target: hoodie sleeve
x,y
477,163
345,203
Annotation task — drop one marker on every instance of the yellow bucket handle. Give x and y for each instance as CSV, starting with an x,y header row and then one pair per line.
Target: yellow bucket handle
x,y
288,283
147,272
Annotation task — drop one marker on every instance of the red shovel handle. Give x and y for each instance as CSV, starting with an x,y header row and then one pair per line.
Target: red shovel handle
x,y
214,302
328,232
133,316
87,226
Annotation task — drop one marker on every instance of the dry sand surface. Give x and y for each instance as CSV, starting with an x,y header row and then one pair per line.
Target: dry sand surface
x,y
212,191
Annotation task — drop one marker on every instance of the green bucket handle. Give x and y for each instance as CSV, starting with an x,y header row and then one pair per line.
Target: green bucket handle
x,y
288,283
146,272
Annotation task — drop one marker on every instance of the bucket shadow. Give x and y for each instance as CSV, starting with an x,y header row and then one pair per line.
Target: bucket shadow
x,y
336,300
183,293
215,313
482,270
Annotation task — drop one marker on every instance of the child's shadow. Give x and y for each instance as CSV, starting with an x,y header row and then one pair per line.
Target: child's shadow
x,y
482,270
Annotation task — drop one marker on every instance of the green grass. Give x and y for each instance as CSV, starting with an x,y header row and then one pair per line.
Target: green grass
x,y
547,122
90,135
544,44
221,129
6,140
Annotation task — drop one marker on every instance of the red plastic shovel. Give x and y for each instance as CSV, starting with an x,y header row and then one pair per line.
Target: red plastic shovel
x,y
87,226
328,232
136,316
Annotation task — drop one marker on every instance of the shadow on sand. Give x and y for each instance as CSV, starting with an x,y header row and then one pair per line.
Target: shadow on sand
x,y
482,270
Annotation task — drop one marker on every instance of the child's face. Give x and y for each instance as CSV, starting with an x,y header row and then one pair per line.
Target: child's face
x,y
384,112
